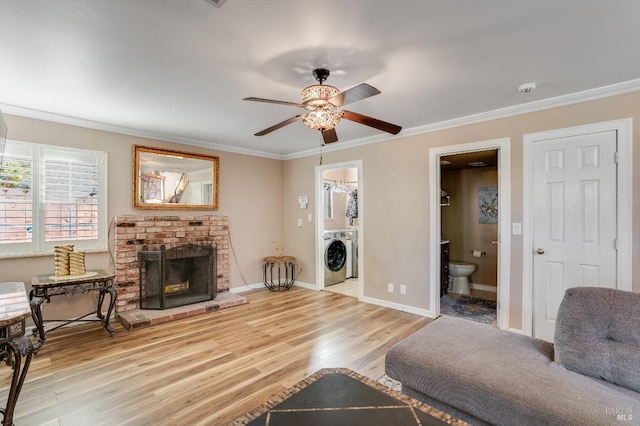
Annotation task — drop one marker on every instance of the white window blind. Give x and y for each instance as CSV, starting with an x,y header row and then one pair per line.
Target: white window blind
x,y
54,196
16,201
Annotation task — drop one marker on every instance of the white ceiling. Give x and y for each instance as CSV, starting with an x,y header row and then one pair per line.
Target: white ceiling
x,y
178,70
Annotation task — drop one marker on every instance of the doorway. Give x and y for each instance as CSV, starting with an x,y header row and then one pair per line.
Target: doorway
x,y
339,221
577,233
503,241
469,226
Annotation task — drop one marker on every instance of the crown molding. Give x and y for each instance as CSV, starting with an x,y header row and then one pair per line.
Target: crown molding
x,y
541,105
128,131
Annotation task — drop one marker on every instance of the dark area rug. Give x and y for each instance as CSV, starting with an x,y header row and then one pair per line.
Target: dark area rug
x,y
469,307
341,397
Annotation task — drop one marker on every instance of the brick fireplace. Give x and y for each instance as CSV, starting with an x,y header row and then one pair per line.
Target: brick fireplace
x,y
135,232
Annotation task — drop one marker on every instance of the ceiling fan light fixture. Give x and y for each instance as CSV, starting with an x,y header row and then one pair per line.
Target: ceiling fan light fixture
x,y
322,118
318,94
322,102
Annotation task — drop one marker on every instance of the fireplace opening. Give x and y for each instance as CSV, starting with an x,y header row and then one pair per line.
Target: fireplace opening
x,y
177,276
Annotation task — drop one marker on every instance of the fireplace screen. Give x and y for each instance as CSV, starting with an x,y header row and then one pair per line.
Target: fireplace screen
x,y
178,276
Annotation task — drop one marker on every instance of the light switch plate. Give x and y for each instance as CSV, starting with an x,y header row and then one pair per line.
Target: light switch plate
x,y
516,228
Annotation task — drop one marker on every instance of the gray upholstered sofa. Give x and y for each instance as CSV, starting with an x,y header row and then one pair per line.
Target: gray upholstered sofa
x,y
484,375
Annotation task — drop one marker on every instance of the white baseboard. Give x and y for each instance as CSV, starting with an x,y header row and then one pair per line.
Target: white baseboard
x,y
398,307
306,285
484,287
247,287
373,301
258,286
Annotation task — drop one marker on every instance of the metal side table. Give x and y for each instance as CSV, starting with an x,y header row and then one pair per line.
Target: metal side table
x,y
278,272
14,345
45,286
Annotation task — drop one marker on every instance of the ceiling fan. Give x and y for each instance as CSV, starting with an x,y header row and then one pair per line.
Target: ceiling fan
x,y
323,102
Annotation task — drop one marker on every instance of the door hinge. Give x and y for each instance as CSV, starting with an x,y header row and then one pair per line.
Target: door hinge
x,y
615,244
616,157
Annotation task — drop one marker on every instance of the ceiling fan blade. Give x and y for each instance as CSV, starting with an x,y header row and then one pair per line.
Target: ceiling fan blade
x,y
357,93
329,136
272,101
279,125
372,122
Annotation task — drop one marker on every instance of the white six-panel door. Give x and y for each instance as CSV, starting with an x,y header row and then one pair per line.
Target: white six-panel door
x,y
574,220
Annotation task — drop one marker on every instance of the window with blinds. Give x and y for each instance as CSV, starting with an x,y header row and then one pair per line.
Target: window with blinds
x,y
16,199
50,196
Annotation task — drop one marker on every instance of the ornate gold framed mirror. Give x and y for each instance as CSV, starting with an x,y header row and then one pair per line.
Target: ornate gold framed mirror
x,y
167,179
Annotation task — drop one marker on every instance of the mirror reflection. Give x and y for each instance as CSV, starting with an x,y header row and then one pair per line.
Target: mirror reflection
x,y
166,179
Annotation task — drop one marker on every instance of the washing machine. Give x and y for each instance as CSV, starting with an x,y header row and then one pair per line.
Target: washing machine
x,y
335,257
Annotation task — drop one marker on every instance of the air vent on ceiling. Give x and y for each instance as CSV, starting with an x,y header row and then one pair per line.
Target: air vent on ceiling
x,y
218,3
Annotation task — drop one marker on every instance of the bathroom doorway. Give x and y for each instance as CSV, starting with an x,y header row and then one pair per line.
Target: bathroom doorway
x,y
339,219
469,233
470,210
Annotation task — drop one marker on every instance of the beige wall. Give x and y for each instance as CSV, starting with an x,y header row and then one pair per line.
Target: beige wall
x,y
461,222
260,197
250,195
395,193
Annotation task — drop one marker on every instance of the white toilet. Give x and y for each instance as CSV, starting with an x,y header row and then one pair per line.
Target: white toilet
x,y
460,272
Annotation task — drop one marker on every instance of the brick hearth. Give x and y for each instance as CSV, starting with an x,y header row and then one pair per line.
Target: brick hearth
x,y
139,318
132,232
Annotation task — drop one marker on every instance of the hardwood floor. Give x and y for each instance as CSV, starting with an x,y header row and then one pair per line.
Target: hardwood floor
x,y
204,370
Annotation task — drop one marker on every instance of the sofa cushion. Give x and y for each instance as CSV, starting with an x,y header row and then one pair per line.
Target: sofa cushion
x,y
598,334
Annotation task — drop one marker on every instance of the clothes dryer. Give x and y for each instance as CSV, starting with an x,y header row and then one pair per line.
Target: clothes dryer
x,y
352,255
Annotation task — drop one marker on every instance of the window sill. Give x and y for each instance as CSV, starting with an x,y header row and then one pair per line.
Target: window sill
x,y
4,256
